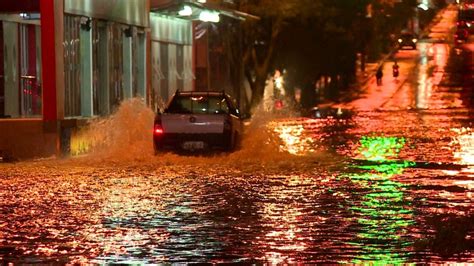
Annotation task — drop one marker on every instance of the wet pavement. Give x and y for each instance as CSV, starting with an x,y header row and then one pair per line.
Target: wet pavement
x,y
391,184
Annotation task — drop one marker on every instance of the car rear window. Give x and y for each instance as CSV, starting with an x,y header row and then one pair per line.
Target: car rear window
x,y
198,105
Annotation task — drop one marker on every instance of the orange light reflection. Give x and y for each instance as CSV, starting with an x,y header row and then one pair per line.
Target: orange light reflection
x,y
292,135
284,219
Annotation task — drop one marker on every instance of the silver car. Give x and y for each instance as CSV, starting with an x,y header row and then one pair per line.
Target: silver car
x,y
198,120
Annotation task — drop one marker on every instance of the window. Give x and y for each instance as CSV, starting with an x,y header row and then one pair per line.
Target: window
x,y
72,70
198,104
20,82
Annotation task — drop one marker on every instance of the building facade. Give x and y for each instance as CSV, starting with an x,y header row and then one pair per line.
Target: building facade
x,y
63,62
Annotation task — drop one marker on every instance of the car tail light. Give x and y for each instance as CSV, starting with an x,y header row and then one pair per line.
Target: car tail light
x,y
158,129
278,104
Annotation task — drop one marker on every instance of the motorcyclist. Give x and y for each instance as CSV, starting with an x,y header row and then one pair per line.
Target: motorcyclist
x,y
395,69
379,76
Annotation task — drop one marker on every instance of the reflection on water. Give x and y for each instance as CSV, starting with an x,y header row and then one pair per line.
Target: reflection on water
x,y
292,135
285,234
464,153
365,190
383,212
465,142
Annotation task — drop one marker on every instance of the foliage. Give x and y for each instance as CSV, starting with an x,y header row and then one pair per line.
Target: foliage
x,y
314,38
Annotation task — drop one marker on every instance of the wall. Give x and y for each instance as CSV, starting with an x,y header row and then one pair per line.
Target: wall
x,y
28,138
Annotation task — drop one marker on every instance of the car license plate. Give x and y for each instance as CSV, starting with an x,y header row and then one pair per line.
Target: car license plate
x,y
193,145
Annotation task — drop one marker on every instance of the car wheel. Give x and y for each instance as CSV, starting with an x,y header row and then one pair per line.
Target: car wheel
x,y
230,145
237,141
157,147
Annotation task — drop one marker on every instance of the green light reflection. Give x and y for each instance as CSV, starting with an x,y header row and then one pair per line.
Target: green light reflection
x,y
380,148
382,212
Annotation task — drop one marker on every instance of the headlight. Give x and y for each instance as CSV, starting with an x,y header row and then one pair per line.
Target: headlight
x,y
400,40
414,40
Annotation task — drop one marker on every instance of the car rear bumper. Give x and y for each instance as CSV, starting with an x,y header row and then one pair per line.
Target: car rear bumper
x,y
407,46
175,140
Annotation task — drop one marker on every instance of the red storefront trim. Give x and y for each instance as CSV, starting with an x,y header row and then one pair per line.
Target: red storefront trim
x,y
48,60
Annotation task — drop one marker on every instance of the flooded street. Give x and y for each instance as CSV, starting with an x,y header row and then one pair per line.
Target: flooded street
x,y
392,184
387,187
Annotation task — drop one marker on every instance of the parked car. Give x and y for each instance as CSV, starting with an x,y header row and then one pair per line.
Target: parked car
x,y
407,40
198,120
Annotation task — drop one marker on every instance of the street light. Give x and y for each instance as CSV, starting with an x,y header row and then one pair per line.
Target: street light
x,y
208,16
186,11
424,6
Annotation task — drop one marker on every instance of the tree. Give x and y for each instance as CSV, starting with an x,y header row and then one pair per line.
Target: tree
x,y
260,37
315,38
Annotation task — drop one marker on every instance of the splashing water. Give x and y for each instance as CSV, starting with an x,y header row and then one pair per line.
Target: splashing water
x,y
126,136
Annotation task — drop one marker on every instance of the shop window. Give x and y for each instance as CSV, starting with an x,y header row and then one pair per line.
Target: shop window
x,y
30,87
100,68
164,82
96,70
20,82
115,64
135,64
180,66
2,75
156,75
72,71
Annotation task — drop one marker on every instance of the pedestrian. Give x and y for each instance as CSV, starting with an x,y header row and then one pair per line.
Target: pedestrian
x,y
395,69
379,76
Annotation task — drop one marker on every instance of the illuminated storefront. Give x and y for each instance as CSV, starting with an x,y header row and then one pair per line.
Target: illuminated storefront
x,y
104,54
208,32
63,62
171,57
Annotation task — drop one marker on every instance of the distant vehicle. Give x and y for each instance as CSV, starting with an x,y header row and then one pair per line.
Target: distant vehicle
x,y
461,36
327,112
407,40
197,121
462,24
466,19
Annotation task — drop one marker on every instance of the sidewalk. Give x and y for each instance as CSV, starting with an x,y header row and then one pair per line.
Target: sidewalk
x,y
375,97
366,95
365,78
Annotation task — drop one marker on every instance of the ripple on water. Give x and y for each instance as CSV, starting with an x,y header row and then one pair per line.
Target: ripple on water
x,y
263,203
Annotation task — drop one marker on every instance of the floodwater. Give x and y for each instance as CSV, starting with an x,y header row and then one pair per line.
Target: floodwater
x,y
382,187
392,184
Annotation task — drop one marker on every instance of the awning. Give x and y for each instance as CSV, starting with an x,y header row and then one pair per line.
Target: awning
x,y
190,9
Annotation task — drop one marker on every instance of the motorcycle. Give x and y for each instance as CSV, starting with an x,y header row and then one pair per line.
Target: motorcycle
x,y
395,71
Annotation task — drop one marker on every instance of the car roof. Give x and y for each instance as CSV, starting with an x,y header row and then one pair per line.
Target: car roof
x,y
201,93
